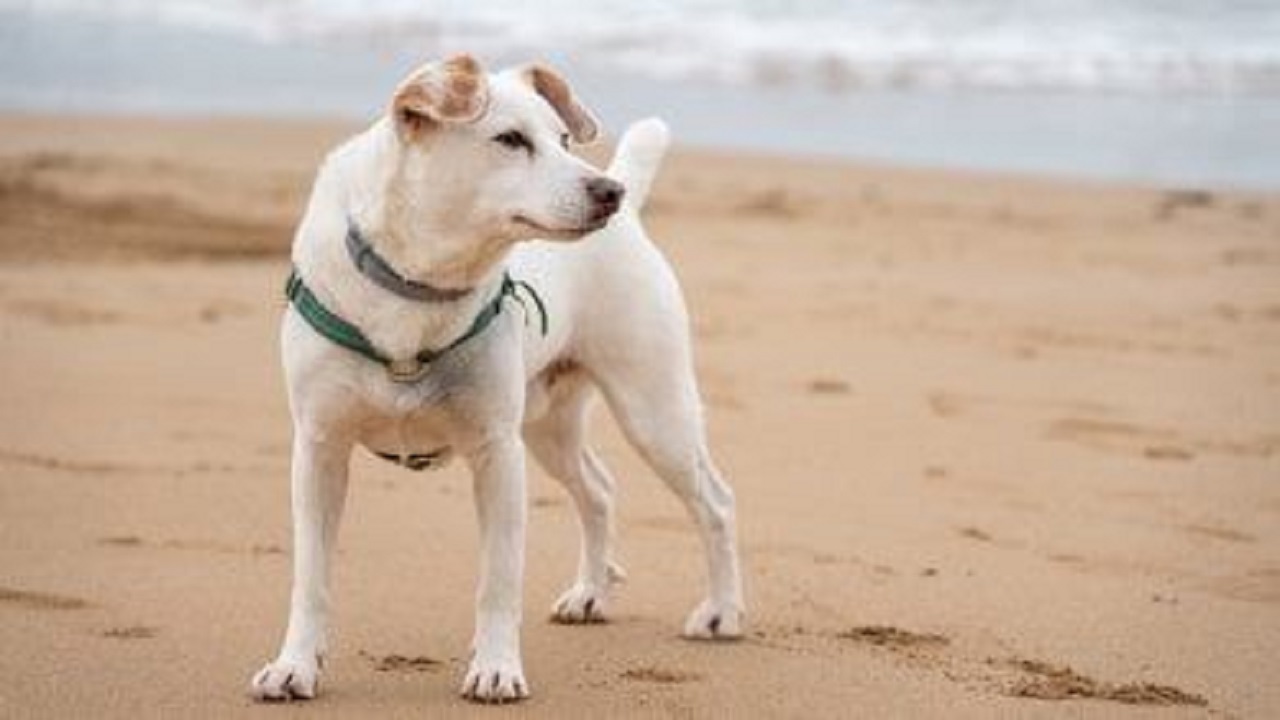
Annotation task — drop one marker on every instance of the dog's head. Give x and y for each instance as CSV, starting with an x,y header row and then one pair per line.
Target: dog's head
x,y
488,155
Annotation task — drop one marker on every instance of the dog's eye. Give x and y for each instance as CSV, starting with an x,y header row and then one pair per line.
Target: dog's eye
x,y
564,140
514,140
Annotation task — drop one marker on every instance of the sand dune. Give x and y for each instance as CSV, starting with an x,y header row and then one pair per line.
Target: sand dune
x,y
1003,446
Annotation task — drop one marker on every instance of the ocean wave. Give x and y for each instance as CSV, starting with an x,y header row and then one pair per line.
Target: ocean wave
x,y
1226,47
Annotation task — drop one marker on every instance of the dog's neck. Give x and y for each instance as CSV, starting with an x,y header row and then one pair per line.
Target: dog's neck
x,y
360,183
415,221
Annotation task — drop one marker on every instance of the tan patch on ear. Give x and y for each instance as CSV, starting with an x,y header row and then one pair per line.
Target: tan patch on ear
x,y
409,108
455,91
553,88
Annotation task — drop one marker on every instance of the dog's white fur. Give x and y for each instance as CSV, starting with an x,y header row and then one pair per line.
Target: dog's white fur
x,y
445,203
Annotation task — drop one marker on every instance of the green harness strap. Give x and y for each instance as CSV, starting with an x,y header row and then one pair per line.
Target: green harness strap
x,y
331,326
341,332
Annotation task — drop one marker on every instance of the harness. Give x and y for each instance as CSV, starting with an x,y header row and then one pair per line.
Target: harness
x,y
411,369
403,370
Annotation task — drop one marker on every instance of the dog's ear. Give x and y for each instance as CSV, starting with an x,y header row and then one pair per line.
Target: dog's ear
x,y
582,125
454,91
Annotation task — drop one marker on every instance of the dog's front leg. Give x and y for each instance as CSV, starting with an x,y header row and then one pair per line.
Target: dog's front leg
x,y
496,673
319,489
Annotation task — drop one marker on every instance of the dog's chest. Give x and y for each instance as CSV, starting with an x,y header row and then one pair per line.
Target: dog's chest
x,y
416,440
410,424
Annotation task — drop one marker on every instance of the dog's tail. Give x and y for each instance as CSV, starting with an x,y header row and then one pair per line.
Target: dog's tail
x,y
636,160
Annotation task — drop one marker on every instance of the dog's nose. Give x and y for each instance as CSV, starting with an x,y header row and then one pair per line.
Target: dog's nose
x,y
605,193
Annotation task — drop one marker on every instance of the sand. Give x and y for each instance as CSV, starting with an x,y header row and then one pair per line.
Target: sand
x,y
1003,447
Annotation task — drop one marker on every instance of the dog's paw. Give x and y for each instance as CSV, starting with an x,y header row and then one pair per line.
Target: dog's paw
x,y
495,682
285,680
584,603
580,605
714,621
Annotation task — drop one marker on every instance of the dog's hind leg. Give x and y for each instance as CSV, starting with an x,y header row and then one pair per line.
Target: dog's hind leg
x,y
656,402
558,443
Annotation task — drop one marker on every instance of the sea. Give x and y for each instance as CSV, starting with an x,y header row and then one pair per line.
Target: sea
x,y
1181,93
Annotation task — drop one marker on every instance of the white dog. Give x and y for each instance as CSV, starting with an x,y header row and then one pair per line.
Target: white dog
x,y
423,325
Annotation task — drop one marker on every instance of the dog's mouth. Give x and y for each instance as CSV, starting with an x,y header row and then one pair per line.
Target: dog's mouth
x,y
593,224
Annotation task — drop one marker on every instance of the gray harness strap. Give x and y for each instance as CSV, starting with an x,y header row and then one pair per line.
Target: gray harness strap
x,y
371,265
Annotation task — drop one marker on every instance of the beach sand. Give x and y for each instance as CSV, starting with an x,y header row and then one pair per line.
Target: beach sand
x,y
1002,447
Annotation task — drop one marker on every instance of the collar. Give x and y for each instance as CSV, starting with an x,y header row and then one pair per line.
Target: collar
x,y
373,266
412,369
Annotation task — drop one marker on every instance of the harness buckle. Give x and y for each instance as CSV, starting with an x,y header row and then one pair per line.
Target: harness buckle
x,y
406,371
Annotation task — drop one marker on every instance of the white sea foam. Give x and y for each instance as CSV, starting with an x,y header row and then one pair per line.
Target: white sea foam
x,y
1229,47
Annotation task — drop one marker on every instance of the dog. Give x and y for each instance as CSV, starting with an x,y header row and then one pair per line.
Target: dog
x,y
464,286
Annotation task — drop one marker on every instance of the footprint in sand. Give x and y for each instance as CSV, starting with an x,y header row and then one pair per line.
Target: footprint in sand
x,y
950,404
973,533
1155,443
401,663
915,648
61,313
1220,533
828,386
36,600
659,676
1113,436
121,541
893,638
131,632
1167,452
1013,676
133,541
1066,558
1047,681
49,462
